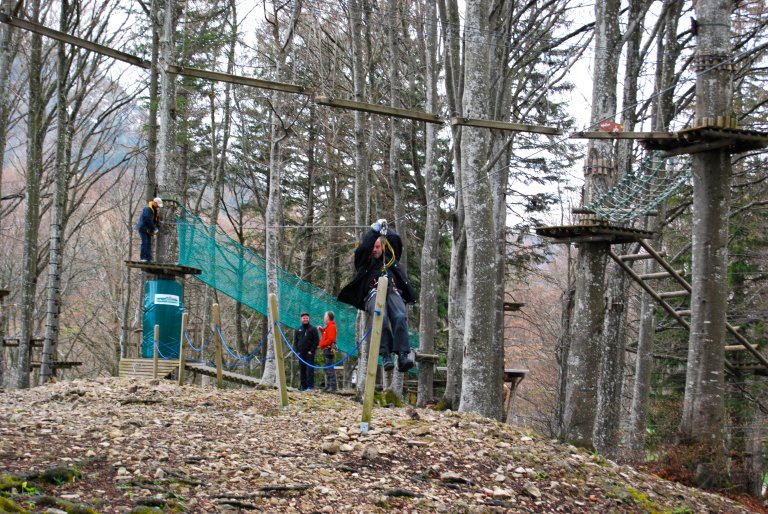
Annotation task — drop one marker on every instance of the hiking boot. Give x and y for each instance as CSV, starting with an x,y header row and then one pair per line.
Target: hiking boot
x,y
404,362
386,362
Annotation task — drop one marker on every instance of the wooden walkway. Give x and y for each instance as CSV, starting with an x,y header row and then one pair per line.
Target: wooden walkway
x,y
144,368
237,378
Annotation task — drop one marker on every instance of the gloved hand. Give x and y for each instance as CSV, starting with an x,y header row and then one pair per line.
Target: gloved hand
x,y
379,224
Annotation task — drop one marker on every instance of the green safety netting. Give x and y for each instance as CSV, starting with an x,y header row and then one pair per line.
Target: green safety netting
x,y
240,273
641,191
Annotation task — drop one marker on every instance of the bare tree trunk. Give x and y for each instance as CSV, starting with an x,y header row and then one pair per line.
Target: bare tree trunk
x,y
167,173
151,185
457,292
704,403
57,214
6,61
668,50
362,193
482,378
610,402
274,204
32,197
308,261
429,252
587,321
272,253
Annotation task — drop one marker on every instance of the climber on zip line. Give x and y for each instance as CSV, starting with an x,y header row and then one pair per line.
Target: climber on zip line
x,y
378,255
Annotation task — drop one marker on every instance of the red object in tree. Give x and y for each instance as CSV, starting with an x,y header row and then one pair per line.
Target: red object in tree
x,y
611,126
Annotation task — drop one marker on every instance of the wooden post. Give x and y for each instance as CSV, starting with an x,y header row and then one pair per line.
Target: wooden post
x,y
219,342
279,364
373,353
182,349
156,351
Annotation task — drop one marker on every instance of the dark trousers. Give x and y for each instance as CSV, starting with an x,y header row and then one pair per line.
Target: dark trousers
x,y
330,373
146,246
394,333
306,373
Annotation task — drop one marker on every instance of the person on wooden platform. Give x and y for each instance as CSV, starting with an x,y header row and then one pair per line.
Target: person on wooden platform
x,y
378,255
305,340
148,226
328,347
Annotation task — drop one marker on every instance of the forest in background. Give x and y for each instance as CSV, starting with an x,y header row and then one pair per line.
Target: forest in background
x,y
298,182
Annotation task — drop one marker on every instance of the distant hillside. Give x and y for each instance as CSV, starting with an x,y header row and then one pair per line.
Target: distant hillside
x,y
118,445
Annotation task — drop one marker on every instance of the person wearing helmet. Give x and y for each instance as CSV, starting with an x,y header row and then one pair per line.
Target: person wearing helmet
x,y
148,226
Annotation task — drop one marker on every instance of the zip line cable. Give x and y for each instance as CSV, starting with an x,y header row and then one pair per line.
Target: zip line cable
x,y
132,59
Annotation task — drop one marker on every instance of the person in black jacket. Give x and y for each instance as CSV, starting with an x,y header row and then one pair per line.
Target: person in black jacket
x,y
379,253
148,225
305,340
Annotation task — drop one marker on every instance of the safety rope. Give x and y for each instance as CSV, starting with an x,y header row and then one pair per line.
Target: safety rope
x,y
157,347
244,358
385,265
312,365
204,345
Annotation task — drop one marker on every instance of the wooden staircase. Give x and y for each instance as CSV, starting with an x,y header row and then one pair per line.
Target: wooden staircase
x,y
759,366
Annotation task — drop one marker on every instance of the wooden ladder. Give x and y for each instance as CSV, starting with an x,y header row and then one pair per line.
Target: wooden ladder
x,y
679,315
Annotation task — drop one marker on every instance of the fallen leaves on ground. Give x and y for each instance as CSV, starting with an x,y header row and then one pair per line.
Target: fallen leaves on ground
x,y
167,448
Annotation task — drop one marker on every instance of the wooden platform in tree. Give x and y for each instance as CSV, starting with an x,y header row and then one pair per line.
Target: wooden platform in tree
x,y
159,268
594,233
709,137
35,342
143,368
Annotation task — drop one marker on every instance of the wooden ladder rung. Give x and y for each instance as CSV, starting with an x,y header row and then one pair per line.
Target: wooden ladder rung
x,y
675,294
738,347
639,256
661,274
684,313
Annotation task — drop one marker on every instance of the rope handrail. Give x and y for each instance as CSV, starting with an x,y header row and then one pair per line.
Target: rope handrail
x,y
202,347
157,347
244,358
312,365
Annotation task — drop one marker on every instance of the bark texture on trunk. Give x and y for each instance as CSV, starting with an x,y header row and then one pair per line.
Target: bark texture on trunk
x,y
704,403
583,361
34,171
429,252
482,376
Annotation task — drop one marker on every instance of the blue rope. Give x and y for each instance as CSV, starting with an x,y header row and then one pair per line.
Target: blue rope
x,y
245,358
203,347
312,365
157,347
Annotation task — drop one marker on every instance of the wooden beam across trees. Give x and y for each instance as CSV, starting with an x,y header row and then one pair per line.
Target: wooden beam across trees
x,y
503,125
383,110
380,109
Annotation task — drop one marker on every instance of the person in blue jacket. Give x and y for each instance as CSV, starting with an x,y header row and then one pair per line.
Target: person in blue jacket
x,y
148,225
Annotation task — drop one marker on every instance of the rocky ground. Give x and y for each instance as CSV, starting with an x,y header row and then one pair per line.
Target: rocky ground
x,y
111,445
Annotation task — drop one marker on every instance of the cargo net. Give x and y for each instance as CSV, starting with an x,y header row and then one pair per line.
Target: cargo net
x,y
241,274
643,189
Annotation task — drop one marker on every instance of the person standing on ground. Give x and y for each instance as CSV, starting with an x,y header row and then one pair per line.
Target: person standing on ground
x,y
328,346
305,340
379,254
148,226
